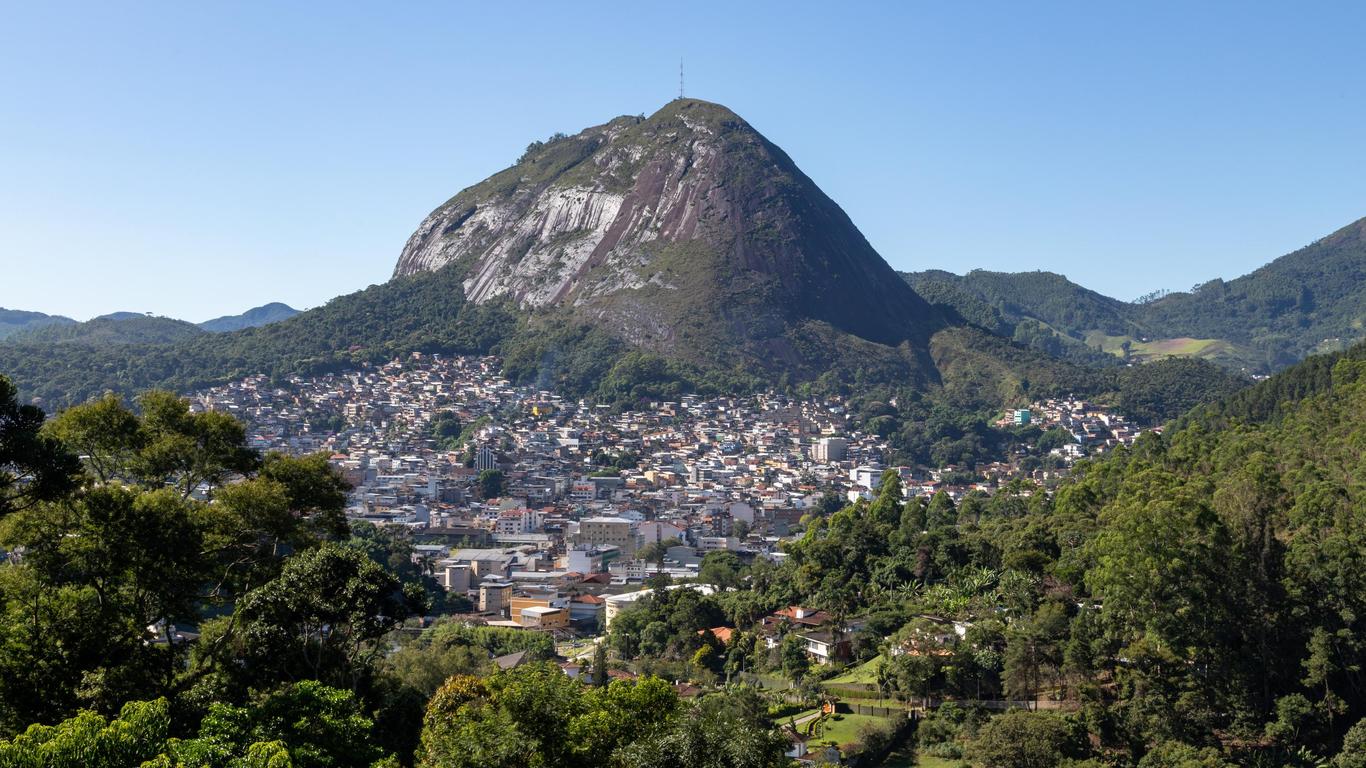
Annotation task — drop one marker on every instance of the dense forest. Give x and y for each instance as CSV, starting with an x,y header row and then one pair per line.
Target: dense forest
x,y
137,329
1197,600
14,321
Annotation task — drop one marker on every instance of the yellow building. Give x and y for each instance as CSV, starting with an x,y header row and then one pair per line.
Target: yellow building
x,y
544,617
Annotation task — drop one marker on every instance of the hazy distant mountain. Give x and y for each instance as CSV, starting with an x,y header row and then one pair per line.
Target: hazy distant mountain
x,y
14,321
252,318
119,329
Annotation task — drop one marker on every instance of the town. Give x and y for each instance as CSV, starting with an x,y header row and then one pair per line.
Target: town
x,y
549,514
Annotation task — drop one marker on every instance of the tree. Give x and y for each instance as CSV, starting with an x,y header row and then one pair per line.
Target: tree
x,y
1353,753
911,674
104,432
491,484
535,715
600,665
829,503
314,725
185,449
940,513
655,551
727,730
136,735
99,569
1053,439
794,659
446,429
1034,648
721,569
33,466
320,619
1019,739
1174,754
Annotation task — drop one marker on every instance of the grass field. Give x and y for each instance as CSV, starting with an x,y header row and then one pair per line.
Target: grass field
x,y
1156,349
926,761
844,728
865,673
906,758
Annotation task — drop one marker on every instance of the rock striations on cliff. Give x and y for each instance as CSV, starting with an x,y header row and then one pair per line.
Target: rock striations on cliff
x,y
686,233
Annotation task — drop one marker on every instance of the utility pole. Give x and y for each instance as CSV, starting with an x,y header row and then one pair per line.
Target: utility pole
x,y
680,77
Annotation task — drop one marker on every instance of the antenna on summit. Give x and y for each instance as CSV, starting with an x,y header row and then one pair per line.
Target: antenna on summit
x,y
680,77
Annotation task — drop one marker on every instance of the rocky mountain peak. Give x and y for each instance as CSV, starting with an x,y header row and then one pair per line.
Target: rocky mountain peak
x,y
675,231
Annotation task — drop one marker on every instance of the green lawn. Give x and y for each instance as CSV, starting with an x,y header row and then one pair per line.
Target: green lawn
x,y
774,681
905,757
927,761
1157,349
844,728
865,673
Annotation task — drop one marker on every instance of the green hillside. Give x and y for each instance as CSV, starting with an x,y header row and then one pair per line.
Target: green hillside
x,y
114,329
1308,302
14,321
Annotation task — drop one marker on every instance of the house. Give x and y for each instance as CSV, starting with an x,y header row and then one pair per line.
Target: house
x,y
510,661
824,646
544,617
587,609
796,743
724,634
616,532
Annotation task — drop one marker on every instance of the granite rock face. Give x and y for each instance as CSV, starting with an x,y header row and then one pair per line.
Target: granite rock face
x,y
686,232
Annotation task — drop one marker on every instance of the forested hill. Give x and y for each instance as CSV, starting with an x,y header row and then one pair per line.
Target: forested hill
x,y
426,312
1269,400
14,321
1310,301
120,328
1230,566
266,314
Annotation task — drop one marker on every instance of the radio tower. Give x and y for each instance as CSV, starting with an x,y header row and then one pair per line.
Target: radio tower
x,y
680,77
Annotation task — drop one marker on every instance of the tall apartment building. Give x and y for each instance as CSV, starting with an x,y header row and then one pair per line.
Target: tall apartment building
x,y
495,597
609,531
828,449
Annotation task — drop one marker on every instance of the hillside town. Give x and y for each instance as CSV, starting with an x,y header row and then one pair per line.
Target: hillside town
x,y
548,513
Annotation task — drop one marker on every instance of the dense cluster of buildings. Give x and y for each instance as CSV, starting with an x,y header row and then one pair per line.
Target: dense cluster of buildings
x,y
1091,427
544,511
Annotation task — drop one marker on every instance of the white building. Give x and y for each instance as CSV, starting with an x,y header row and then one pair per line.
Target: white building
x,y
829,449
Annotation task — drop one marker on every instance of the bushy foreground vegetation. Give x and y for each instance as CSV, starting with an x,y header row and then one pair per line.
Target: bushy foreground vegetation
x,y
168,522
1194,600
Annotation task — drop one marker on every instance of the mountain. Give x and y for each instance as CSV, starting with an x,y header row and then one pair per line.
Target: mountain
x,y
1312,300
120,328
686,233
1041,310
14,321
1307,302
252,318
640,258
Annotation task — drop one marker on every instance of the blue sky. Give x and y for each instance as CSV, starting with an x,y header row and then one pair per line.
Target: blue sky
x,y
196,159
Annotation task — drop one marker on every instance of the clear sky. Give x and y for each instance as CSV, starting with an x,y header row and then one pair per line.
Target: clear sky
x,y
196,159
